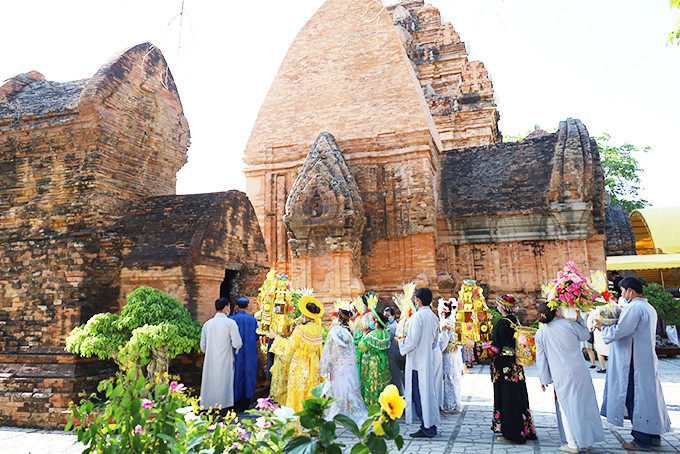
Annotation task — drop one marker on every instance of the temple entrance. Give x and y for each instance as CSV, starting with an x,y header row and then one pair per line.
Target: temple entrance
x,y
230,287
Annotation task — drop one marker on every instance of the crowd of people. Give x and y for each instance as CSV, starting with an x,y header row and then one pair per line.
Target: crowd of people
x,y
363,352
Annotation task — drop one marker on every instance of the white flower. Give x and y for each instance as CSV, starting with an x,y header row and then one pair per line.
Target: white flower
x,y
191,416
185,410
284,414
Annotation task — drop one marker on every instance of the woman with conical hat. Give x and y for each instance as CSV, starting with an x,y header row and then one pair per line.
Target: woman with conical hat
x,y
305,346
511,414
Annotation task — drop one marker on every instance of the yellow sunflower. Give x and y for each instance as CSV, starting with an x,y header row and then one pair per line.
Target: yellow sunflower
x,y
391,402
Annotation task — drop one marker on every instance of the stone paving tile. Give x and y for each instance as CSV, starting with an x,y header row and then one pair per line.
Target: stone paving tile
x,y
467,432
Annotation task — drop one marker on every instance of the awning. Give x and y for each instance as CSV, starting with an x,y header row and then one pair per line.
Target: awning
x,y
657,230
643,262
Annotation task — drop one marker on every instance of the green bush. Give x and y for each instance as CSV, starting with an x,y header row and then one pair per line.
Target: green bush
x,y
154,416
151,329
667,307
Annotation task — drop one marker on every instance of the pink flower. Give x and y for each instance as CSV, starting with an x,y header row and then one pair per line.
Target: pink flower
x,y
147,403
139,430
577,293
266,404
571,303
177,387
240,432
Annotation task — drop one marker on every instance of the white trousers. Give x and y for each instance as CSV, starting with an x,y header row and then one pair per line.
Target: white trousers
x,y
571,440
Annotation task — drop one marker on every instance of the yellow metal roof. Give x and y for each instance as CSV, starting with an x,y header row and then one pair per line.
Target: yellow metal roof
x,y
657,230
643,262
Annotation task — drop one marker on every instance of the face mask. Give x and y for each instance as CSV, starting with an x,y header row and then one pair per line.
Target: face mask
x,y
389,319
371,325
625,299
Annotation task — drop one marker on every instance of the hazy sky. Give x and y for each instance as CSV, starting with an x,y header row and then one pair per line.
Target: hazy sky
x,y
605,62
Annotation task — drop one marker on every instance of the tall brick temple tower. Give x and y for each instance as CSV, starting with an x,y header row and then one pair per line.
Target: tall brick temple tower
x,y
392,91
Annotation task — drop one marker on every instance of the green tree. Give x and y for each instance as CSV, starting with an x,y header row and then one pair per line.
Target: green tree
x,y
674,35
667,307
151,329
620,166
622,173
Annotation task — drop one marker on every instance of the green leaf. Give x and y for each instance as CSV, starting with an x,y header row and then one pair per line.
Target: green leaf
x,y
300,445
365,426
327,433
391,429
399,442
135,406
376,444
321,389
374,410
308,422
334,449
360,448
349,424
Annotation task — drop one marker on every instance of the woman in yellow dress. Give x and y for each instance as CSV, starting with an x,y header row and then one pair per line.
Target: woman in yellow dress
x,y
305,346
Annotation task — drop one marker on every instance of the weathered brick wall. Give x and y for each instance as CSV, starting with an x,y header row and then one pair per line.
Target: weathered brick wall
x,y
519,268
459,92
183,245
513,214
356,83
71,154
620,235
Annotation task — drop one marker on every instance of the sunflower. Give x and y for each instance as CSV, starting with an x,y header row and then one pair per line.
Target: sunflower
x,y
391,402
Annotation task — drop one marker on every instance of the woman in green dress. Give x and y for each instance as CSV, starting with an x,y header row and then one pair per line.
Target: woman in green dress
x,y
375,368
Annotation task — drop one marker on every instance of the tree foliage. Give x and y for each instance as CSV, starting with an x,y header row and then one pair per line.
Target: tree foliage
x,y
674,35
667,307
151,329
622,173
620,166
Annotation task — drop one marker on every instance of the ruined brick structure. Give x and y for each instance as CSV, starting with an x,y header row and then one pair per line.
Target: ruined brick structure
x,y
392,92
620,235
88,212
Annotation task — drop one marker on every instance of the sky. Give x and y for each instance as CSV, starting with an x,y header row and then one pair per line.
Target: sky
x,y
605,62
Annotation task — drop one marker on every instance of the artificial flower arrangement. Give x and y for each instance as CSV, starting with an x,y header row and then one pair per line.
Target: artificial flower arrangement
x,y
405,304
570,290
609,310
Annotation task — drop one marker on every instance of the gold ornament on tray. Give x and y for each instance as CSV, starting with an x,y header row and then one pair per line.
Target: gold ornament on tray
x,y
275,301
473,320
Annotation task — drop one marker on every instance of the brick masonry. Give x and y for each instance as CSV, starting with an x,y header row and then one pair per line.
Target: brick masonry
x,y
83,165
417,124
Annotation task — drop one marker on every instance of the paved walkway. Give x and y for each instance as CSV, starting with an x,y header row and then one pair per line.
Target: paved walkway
x,y
466,432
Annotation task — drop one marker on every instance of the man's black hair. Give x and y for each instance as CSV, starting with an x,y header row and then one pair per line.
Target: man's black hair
x,y
389,309
632,283
221,303
424,295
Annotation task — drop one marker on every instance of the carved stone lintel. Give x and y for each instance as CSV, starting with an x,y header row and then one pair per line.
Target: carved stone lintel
x,y
324,211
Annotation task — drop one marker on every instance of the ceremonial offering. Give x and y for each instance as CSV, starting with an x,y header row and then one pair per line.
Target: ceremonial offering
x,y
276,305
609,313
525,346
473,321
405,304
570,292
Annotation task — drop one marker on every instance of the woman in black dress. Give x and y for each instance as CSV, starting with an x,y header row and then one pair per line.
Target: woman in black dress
x,y
511,414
